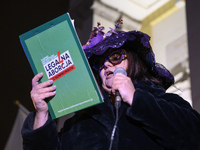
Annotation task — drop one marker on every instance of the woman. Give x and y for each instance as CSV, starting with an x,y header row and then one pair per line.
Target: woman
x,y
148,117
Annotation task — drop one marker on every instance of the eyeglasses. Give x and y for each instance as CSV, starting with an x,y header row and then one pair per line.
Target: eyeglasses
x,y
114,58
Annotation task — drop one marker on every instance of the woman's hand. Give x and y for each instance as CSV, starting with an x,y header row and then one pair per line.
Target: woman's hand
x,y
124,85
38,94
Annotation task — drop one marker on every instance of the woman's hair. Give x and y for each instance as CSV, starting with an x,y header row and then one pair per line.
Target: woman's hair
x,y
137,70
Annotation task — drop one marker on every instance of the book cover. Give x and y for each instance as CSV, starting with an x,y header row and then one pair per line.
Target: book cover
x,y
54,49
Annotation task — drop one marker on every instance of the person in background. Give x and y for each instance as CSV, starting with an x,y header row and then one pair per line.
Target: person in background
x,y
147,118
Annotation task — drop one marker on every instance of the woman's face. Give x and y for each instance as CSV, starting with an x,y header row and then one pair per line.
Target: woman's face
x,y
106,73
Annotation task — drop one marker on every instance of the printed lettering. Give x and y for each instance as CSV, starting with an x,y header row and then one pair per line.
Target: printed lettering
x,y
58,66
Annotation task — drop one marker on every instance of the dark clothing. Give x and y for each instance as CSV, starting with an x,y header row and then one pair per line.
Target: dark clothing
x,y
155,121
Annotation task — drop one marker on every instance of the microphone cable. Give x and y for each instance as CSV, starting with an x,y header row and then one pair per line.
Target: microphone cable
x,y
117,106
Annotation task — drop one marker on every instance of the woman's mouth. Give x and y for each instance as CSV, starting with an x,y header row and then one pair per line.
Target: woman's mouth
x,y
109,74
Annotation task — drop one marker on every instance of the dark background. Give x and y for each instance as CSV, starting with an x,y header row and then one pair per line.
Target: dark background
x,y
18,17
193,27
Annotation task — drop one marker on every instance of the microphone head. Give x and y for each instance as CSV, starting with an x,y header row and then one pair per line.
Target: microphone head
x,y
120,70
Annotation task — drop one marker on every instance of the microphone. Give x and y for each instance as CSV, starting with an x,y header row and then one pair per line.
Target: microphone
x,y
118,97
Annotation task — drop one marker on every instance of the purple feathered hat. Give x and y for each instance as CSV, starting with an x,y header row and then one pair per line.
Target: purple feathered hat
x,y
137,41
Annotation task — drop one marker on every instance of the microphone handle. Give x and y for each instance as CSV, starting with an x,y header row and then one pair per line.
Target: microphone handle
x,y
117,99
117,96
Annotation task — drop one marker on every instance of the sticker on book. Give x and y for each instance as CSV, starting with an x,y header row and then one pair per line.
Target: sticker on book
x,y
56,66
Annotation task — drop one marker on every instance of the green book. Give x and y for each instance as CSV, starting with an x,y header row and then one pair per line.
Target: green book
x,y
54,49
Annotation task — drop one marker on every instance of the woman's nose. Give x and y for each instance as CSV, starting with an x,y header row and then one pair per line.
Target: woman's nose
x,y
107,64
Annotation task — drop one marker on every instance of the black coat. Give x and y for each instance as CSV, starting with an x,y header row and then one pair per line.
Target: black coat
x,y
155,121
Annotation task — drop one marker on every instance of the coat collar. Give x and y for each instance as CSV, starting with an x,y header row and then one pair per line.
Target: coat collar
x,y
105,112
150,87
